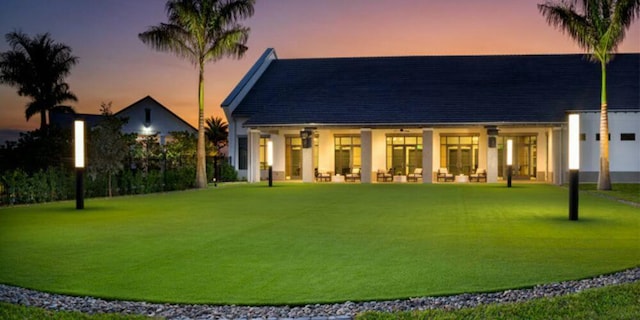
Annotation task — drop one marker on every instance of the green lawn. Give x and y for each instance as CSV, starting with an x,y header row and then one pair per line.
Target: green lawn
x,y
301,243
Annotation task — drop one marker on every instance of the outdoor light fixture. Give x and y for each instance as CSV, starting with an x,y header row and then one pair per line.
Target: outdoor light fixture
x,y
574,164
270,161
509,161
79,163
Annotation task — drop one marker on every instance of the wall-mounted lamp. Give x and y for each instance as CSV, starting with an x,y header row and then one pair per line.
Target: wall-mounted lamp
x,y
509,161
574,164
78,126
270,161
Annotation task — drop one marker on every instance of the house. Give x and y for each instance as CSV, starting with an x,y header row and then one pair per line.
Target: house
x,y
430,112
145,117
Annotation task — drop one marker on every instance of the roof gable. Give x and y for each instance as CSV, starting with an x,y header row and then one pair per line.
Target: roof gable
x,y
436,89
162,118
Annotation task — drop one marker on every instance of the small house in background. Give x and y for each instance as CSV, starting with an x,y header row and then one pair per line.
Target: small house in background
x,y
145,117
433,115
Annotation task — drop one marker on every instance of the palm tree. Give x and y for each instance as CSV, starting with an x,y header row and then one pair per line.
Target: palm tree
x,y
37,67
217,132
202,31
598,26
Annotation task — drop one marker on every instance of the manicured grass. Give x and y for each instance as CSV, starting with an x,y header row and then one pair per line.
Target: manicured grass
x,y
623,191
617,302
301,243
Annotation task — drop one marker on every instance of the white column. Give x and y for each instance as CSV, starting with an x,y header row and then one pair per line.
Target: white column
x,y
427,155
492,155
307,165
253,161
366,154
557,156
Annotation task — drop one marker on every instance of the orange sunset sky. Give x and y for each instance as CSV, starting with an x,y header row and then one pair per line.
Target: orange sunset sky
x,y
115,66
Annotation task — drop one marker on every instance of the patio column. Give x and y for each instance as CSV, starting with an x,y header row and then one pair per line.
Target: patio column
x,y
492,154
427,155
557,155
253,161
366,155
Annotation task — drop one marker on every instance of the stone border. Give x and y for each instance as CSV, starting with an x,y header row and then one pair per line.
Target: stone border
x,y
337,311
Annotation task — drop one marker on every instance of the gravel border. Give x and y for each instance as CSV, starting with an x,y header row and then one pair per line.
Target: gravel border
x,y
338,311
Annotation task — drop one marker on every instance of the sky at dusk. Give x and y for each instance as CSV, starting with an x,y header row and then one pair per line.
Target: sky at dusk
x,y
114,65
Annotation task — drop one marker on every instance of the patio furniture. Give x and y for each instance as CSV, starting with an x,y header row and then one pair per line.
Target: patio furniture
x,y
478,175
323,176
353,176
417,174
384,176
444,174
461,178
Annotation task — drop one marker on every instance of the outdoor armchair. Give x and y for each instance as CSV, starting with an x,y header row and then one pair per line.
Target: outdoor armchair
x,y
353,176
444,174
417,174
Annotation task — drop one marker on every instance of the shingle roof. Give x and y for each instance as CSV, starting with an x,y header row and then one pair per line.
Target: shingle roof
x,y
436,89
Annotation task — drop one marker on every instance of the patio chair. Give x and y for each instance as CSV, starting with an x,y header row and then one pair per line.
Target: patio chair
x,y
478,175
384,176
417,174
323,176
353,176
444,174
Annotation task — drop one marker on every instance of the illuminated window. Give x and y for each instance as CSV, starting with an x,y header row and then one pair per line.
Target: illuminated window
x,y
404,153
263,153
348,153
459,153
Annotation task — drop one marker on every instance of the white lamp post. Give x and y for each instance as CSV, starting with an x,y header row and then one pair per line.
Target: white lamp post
x,y
79,162
509,161
270,161
574,164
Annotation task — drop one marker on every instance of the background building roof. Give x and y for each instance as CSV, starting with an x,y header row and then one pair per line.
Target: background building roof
x,y
428,90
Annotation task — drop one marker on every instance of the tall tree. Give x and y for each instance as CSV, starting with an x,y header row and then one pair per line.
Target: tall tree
x,y
598,26
37,67
107,146
202,31
217,132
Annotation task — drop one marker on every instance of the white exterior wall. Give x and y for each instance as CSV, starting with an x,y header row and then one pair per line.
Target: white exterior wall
x,y
162,121
624,156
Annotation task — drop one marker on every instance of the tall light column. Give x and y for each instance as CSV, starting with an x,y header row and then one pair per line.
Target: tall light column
x,y
574,164
270,161
79,162
509,161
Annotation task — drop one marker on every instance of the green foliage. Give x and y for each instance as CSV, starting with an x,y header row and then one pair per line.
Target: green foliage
x,y
43,186
107,147
227,172
616,302
37,150
310,243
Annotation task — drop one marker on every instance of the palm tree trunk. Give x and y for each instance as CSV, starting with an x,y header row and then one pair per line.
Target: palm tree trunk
x,y
110,193
604,177
43,119
201,169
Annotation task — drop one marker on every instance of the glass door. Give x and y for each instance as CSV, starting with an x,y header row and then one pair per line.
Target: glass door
x,y
524,157
293,158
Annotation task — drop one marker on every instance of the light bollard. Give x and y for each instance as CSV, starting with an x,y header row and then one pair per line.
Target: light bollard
x,y
270,161
574,165
509,161
79,162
